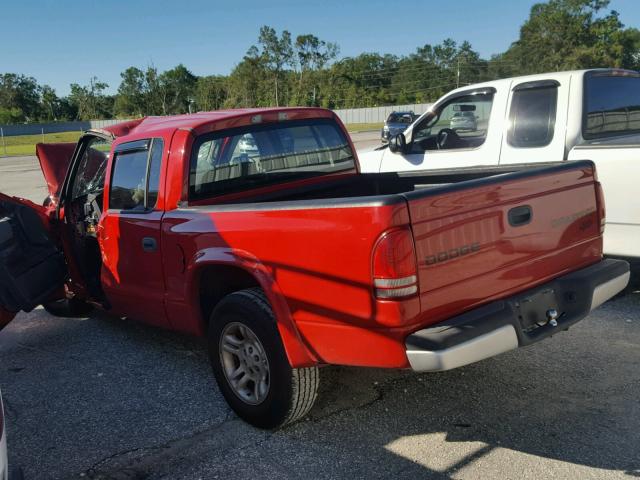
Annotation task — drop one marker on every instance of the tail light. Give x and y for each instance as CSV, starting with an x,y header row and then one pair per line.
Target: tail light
x,y
602,213
394,265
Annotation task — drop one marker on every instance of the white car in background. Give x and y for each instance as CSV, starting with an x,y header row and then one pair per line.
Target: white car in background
x,y
464,121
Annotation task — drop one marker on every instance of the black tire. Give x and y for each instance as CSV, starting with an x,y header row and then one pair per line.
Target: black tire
x,y
291,391
68,307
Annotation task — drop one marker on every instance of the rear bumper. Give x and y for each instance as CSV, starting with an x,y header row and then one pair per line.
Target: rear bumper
x,y
520,320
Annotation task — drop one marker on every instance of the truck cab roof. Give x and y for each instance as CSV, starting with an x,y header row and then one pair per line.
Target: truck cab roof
x,y
217,120
565,75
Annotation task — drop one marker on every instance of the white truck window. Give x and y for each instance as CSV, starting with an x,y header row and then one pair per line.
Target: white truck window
x,y
611,104
461,122
532,117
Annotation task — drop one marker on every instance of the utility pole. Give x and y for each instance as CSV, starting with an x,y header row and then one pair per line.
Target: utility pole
x,y
458,74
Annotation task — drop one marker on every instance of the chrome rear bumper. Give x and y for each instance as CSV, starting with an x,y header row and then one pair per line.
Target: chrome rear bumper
x,y
517,321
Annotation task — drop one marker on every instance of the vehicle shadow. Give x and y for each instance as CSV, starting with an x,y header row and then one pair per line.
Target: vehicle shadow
x,y
570,403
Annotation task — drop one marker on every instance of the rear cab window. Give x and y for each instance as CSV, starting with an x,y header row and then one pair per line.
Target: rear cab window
x,y
261,155
611,104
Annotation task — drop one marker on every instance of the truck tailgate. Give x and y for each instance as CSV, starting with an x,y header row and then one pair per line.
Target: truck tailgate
x,y
481,240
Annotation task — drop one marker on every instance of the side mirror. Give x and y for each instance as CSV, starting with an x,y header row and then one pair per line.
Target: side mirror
x,y
398,143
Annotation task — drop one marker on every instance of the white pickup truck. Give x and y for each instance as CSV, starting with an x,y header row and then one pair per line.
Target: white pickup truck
x,y
579,115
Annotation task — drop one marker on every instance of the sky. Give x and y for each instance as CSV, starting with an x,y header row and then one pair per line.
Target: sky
x,y
61,42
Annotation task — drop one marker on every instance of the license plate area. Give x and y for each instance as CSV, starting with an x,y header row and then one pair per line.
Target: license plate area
x,y
537,310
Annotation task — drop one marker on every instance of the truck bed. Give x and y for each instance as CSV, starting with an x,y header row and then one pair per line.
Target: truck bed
x,y
349,187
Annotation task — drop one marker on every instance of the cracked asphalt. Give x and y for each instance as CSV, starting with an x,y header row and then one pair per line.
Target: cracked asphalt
x,y
104,398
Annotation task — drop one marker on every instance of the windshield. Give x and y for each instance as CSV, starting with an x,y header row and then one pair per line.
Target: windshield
x,y
90,173
400,118
260,155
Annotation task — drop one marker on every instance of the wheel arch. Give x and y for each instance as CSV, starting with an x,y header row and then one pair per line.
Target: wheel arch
x,y
215,273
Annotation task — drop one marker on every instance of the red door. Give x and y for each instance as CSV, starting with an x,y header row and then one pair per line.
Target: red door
x,y
32,267
132,275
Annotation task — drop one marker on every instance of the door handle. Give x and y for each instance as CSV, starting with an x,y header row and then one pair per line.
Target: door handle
x,y
149,244
519,216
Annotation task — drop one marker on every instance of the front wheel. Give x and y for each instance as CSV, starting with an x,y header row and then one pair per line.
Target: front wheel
x,y
251,366
68,308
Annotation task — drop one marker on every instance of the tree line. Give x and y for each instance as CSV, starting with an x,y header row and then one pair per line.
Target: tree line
x,y
306,70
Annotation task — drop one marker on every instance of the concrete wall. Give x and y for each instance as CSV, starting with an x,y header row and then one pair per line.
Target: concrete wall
x,y
378,114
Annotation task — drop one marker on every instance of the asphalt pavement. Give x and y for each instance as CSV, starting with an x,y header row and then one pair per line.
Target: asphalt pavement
x,y
105,398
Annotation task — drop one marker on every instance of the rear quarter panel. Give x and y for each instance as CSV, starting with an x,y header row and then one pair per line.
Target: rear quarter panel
x,y
313,259
618,168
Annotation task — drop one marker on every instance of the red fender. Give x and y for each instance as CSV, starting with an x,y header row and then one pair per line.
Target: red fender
x,y
297,352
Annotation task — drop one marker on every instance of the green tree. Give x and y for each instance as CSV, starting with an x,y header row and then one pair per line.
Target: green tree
x,y
246,84
10,115
568,34
66,110
131,97
19,97
50,103
277,52
176,88
90,100
211,92
312,55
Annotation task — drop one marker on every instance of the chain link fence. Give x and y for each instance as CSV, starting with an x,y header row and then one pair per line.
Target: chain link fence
x,y
21,140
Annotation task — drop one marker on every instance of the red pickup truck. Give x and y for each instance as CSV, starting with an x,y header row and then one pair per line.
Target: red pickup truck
x,y
256,229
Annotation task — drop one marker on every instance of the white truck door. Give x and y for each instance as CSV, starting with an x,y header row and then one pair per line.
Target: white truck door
x,y
464,130
536,119
611,139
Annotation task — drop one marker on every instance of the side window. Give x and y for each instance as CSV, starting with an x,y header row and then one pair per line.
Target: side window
x,y
90,174
611,104
532,118
462,122
136,175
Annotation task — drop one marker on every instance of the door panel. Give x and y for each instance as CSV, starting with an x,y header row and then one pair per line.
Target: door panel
x,y
132,274
32,268
618,172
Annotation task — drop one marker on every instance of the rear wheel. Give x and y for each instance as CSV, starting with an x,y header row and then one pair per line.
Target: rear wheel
x,y
251,366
